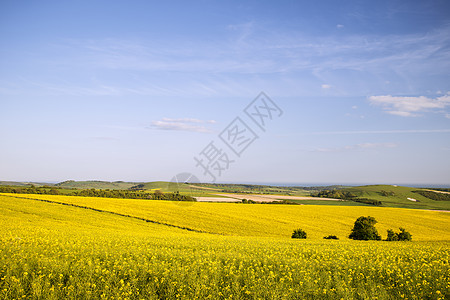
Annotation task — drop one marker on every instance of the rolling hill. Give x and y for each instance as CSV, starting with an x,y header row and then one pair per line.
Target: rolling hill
x,y
96,184
383,195
398,196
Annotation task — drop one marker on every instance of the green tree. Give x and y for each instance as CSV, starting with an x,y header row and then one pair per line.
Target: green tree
x,y
404,235
364,229
299,234
391,235
53,191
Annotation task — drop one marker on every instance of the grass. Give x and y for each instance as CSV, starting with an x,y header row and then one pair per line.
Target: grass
x,y
399,197
54,251
17,183
184,189
95,184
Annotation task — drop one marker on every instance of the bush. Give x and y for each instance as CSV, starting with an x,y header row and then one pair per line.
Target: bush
x,y
433,195
331,237
299,234
403,235
364,229
386,193
368,201
391,235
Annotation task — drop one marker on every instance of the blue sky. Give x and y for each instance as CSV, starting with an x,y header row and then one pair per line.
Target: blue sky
x,y
134,90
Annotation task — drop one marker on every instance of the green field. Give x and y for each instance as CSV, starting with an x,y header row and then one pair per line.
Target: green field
x,y
95,184
135,249
399,197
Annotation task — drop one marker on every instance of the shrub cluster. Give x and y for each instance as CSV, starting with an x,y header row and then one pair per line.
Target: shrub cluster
x,y
249,201
363,229
386,193
299,234
403,235
346,195
434,195
368,201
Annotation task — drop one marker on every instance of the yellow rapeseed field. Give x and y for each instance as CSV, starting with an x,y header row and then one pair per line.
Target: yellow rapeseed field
x,y
269,220
54,251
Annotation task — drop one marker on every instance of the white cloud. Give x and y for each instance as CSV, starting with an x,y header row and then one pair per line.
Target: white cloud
x,y
339,26
326,86
188,120
409,106
183,124
402,113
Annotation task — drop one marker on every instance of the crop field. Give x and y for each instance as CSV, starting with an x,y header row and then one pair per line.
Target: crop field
x,y
100,248
265,220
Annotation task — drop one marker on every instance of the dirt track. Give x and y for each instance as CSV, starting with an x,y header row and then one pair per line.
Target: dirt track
x,y
216,199
441,192
266,198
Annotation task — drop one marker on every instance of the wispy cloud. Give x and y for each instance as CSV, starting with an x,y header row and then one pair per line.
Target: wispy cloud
x,y
183,124
247,57
356,147
351,132
409,106
276,52
189,120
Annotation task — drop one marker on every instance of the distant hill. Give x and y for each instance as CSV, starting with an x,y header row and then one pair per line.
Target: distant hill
x,y
397,196
103,185
389,195
162,185
24,183
96,184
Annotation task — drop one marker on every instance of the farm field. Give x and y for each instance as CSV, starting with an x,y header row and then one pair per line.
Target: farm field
x,y
54,251
398,196
270,198
266,220
379,195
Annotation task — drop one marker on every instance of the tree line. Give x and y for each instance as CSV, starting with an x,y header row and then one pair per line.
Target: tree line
x,y
345,195
123,194
363,230
434,195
